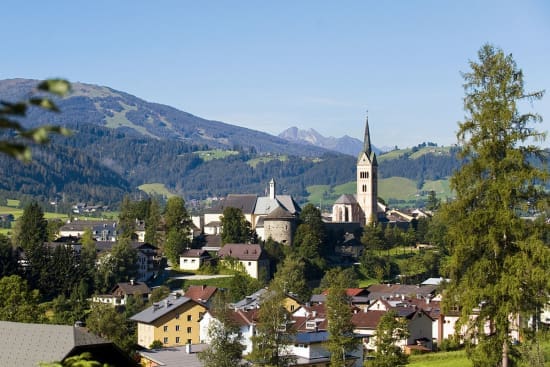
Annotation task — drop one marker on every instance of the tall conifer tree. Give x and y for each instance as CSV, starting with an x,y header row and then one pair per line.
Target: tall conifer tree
x,y
491,246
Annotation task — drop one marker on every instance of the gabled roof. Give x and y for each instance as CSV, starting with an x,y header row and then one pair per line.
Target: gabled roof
x,y
197,253
159,309
241,251
251,301
26,345
201,293
131,288
367,320
245,202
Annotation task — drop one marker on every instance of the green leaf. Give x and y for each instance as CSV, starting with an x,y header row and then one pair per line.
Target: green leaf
x,y
44,103
56,86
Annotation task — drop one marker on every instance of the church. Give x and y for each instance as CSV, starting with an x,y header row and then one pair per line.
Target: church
x,y
362,207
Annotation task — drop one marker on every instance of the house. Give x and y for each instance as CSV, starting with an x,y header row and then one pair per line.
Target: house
x,y
309,324
148,260
172,357
6,220
27,345
102,230
249,257
203,294
174,321
192,259
122,291
245,319
365,324
419,322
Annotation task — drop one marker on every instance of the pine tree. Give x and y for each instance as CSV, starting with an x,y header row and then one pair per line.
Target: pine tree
x,y
389,331
491,245
341,340
271,344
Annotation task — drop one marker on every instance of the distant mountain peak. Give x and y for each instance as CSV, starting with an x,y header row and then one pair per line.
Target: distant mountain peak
x,y
345,144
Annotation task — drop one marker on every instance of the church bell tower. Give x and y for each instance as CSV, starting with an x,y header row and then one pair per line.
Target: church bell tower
x,y
367,180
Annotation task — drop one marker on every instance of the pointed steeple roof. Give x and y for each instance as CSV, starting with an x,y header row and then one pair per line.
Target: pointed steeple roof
x,y
366,142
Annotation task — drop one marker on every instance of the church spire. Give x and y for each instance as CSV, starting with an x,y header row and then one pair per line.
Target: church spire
x,y
366,141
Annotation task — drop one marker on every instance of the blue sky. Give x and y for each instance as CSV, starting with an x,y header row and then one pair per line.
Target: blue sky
x,y
272,65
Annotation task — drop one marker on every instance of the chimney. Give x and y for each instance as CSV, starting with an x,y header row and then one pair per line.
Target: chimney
x,y
188,348
132,281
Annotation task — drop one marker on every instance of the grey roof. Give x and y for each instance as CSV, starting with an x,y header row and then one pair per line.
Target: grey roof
x,y
29,344
245,202
250,302
265,204
311,337
280,213
175,356
159,309
346,199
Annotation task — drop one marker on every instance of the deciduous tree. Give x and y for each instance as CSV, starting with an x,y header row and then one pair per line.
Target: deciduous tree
x,y
224,347
491,245
235,227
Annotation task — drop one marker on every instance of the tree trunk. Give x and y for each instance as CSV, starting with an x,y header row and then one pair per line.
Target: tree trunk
x,y
505,353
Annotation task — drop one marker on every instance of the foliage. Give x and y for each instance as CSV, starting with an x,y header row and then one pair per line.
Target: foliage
x,y
241,285
20,137
152,224
119,265
81,360
178,229
224,346
270,345
490,244
290,277
107,323
8,258
235,227
158,294
341,338
18,302
156,344
389,331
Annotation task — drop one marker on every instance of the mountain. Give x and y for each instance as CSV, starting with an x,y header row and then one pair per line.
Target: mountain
x,y
106,107
120,142
344,145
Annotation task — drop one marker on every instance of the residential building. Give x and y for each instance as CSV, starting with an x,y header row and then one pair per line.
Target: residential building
x,y
123,291
192,259
247,257
174,321
203,294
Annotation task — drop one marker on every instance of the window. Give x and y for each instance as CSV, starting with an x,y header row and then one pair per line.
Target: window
x,y
177,339
177,328
189,341
177,316
165,341
249,263
189,317
189,330
165,328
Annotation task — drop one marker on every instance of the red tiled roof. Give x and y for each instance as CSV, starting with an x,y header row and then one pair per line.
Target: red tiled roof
x,y
200,293
367,320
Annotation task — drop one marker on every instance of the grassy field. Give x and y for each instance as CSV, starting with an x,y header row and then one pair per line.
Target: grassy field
x,y
397,188
209,155
254,162
156,188
440,359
